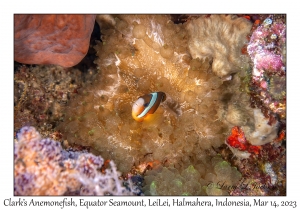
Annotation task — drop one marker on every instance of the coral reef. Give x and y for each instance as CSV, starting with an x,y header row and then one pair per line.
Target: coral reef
x,y
267,49
265,169
52,39
219,38
211,106
41,93
253,123
264,173
42,167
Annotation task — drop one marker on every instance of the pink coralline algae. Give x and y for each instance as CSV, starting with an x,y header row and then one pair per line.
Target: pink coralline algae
x,y
43,167
267,49
267,60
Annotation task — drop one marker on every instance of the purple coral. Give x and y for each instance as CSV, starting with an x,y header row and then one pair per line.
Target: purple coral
x,y
266,47
268,60
42,167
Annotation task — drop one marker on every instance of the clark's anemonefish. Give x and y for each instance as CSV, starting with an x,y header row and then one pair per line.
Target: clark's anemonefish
x,y
147,104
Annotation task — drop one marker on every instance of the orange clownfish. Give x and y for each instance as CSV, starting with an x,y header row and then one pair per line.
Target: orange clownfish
x,y
147,104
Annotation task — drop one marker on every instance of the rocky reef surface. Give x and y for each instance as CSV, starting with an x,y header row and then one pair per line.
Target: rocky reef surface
x,y
221,126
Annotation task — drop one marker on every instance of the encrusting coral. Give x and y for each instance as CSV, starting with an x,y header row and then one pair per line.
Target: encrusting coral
x,y
224,36
52,39
267,49
42,167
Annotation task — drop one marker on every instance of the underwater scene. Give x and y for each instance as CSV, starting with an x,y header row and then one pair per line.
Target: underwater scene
x,y
190,104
